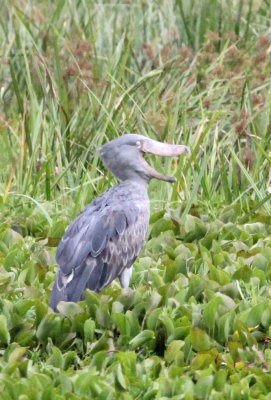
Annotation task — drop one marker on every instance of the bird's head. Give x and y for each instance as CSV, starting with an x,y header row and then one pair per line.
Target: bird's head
x,y
124,157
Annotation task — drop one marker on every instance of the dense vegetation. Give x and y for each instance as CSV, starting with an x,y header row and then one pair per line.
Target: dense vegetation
x,y
196,321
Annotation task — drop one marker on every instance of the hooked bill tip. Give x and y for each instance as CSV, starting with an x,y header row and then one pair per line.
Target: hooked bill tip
x,y
188,152
172,179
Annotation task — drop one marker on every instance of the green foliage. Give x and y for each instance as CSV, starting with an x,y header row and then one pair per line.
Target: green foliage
x,y
196,321
197,317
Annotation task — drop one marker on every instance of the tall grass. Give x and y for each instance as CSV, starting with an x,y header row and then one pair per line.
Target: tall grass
x,y
75,74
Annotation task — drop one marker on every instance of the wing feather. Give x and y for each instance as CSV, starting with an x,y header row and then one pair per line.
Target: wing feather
x,y
100,243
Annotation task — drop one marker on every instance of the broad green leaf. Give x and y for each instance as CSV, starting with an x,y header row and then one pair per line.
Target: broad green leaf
x,y
202,361
259,314
220,379
99,359
56,359
101,344
4,333
203,386
142,338
153,318
122,324
69,309
119,377
89,328
17,354
199,339
156,216
24,337
173,349
162,225
210,313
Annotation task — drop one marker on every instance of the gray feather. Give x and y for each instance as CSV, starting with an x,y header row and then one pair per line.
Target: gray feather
x,y
101,242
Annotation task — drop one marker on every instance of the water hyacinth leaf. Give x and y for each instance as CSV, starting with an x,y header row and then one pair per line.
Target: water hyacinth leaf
x,y
266,252
154,300
15,257
88,384
194,228
117,307
218,275
156,216
3,248
254,228
169,251
56,358
103,317
17,354
6,278
180,332
207,240
151,394
24,305
40,381
56,231
133,322
69,358
170,271
69,309
227,301
230,289
259,314
157,280
167,323
199,339
142,338
203,387
225,326
220,379
119,377
101,344
243,334
99,360
153,318
50,326
128,361
41,309
201,361
183,250
205,253
92,301
210,313
38,224
153,366
24,337
89,329
163,225
122,324
235,349
65,384
4,332
260,262
172,350
181,263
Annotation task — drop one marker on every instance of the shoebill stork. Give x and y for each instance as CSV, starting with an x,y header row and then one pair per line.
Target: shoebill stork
x,y
102,243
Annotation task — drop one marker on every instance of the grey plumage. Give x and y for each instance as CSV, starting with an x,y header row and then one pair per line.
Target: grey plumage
x,y
103,242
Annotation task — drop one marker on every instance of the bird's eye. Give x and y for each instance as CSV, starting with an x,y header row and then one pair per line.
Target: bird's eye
x,y
138,144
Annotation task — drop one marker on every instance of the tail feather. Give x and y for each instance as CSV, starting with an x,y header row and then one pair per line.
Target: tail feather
x,y
70,288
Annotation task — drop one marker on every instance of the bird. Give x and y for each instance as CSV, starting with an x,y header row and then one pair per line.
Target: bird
x,y
103,242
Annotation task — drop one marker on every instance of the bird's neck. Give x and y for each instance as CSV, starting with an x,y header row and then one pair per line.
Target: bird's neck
x,y
138,183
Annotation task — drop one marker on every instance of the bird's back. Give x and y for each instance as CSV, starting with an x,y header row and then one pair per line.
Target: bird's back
x,y
102,241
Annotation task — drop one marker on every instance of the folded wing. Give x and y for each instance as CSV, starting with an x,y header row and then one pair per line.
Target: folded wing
x,y
99,244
